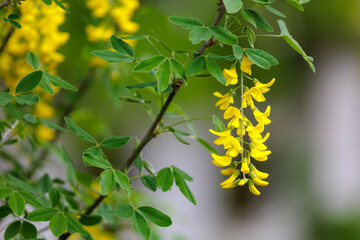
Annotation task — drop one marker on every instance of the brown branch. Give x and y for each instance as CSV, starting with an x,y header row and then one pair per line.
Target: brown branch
x,y
6,39
5,4
151,133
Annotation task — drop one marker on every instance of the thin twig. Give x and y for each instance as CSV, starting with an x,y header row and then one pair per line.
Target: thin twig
x,y
151,133
5,4
6,39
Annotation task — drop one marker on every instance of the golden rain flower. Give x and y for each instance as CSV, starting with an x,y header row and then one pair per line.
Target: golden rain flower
x,y
230,76
264,88
225,100
245,65
262,117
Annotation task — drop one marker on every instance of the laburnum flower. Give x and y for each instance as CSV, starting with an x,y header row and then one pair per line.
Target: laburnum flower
x,y
241,129
224,138
228,171
230,76
262,117
225,100
235,115
229,183
253,93
258,173
258,154
221,161
252,188
259,142
245,65
234,148
264,87
255,132
257,180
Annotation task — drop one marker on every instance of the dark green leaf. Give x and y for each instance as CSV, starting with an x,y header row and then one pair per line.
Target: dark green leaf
x,y
90,220
257,60
107,182
186,22
12,230
13,16
15,24
155,216
74,224
47,2
115,142
17,203
4,211
196,66
223,35
58,82
199,34
44,184
124,210
247,15
296,3
61,6
256,19
148,64
250,36
5,192
29,82
140,225
122,180
28,99
58,224
178,68
215,70
28,230
163,75
45,85
149,181
5,98
180,139
30,199
186,176
121,46
141,85
112,57
222,58
183,187
233,6
78,131
42,214
52,125
97,161
165,179
272,61
238,52
32,60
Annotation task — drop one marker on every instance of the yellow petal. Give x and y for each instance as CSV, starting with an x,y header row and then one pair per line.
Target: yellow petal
x,y
252,188
245,167
224,133
228,171
222,161
245,65
230,179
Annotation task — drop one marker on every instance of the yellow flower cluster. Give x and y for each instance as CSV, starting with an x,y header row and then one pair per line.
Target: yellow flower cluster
x,y
242,171
39,34
120,11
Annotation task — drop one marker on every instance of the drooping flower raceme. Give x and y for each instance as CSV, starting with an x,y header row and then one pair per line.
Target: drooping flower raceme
x,y
237,159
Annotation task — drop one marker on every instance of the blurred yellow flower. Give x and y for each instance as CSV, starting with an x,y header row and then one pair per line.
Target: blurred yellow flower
x,y
245,65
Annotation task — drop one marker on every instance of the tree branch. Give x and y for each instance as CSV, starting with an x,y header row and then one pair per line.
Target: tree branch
x,y
151,133
6,39
5,4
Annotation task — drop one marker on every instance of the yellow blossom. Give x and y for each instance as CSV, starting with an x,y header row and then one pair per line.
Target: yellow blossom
x,y
262,117
245,65
230,76
234,113
259,155
253,93
259,143
224,138
225,100
242,182
257,180
258,173
264,87
245,167
234,148
252,188
255,132
228,171
44,110
221,161
44,134
231,179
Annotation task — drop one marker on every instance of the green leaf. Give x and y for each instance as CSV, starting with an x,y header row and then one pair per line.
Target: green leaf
x,y
30,118
58,82
12,230
5,98
121,46
296,3
54,196
142,85
29,82
274,11
215,70
155,216
111,56
44,184
196,66
122,180
257,60
28,99
199,34
61,6
97,151
52,125
74,224
78,131
90,220
32,60
41,214
247,15
15,24
178,68
69,167
28,230
140,225
14,181
238,52
30,199
233,6
186,176
124,210
250,36
256,19
58,224
13,16
180,139
149,181
163,75
165,179
268,57
4,211
186,22
207,146
183,187
5,192
222,58
45,85
107,182
17,203
115,142
96,161
223,35
148,64
47,2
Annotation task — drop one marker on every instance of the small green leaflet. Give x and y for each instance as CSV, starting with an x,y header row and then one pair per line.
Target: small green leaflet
x,y
155,216
45,84
32,60
238,52
149,181
223,35
196,66
163,75
165,179
107,182
233,6
96,161
199,34
58,224
28,230
274,11
58,82
183,187
61,6
215,70
177,68
122,180
148,64
29,82
142,85
186,22
74,224
296,3
207,146
256,19
78,131
52,125
112,57
17,203
121,46
140,225
29,99
12,230
114,142
47,2
5,192
41,214
124,210
5,98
